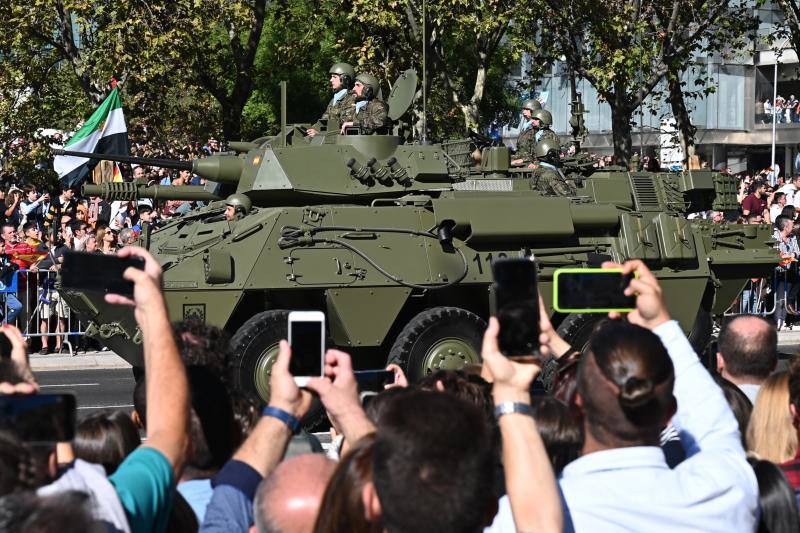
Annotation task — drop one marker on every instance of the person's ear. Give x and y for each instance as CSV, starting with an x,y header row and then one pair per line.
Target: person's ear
x,y
579,400
795,415
671,410
371,503
137,420
720,363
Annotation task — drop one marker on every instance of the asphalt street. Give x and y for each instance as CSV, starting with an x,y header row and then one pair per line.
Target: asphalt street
x,y
95,388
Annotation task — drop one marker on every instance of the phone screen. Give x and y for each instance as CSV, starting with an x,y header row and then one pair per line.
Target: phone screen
x,y
373,380
593,290
39,417
306,342
98,272
516,306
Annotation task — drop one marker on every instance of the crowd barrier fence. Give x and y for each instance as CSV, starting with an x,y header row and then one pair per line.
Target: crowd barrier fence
x,y
31,302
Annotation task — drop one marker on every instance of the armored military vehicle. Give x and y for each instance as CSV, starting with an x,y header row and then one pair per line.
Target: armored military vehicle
x,y
394,242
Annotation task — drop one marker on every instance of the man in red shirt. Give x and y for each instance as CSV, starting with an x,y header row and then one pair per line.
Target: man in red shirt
x,y
755,203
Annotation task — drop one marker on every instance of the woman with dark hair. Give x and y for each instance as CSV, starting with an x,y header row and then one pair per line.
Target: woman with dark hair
x,y
106,439
342,507
776,499
560,431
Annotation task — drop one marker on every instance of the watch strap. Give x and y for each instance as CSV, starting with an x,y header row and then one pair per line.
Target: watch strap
x,y
284,416
507,408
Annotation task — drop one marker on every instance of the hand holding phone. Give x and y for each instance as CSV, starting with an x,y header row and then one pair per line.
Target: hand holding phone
x,y
39,417
515,303
307,339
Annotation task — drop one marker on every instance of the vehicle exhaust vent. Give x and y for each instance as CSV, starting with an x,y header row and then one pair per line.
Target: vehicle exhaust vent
x,y
645,195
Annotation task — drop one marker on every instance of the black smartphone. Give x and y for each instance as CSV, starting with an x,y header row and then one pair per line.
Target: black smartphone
x,y
373,380
98,272
515,303
39,417
5,345
592,290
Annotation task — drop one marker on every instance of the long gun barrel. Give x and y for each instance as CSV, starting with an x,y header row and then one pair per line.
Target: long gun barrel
x,y
132,191
220,168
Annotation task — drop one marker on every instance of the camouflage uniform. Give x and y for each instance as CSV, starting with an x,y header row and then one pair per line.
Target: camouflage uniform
x,y
337,113
372,117
525,144
551,182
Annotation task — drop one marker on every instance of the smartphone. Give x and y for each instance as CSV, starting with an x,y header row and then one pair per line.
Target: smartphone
x,y
5,346
39,417
98,272
307,339
591,290
515,303
373,380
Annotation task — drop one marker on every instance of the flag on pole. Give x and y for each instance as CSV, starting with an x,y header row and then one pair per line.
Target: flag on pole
x,y
104,133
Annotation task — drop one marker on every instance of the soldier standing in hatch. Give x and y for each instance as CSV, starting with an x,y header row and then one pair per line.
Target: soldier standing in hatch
x,y
343,101
526,141
371,114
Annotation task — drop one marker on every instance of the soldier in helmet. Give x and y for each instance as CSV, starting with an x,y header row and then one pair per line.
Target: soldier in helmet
x,y
238,205
340,107
543,121
549,178
527,130
371,114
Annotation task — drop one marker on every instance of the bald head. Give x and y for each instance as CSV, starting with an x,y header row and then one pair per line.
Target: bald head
x,y
748,349
287,501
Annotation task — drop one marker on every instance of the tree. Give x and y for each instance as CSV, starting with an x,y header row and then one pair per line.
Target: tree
x,y
469,47
627,48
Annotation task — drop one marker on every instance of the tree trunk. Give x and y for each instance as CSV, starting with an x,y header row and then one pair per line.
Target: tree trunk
x,y
232,121
683,122
621,133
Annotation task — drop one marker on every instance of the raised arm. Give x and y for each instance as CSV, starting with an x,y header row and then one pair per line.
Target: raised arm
x,y
167,388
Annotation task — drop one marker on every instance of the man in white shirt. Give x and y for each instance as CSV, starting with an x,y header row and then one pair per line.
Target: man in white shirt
x,y
626,383
789,189
778,203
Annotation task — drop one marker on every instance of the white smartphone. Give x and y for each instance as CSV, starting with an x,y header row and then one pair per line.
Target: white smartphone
x,y
307,339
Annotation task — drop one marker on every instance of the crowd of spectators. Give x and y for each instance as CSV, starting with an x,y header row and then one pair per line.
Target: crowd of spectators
x,y
786,110
631,435
39,224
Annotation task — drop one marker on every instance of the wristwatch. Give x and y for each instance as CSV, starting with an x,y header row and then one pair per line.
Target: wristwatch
x,y
283,416
507,408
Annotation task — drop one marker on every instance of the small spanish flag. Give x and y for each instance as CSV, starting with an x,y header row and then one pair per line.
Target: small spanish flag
x,y
117,174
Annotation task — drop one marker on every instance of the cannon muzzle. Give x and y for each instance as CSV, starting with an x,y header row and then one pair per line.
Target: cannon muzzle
x,y
132,191
219,168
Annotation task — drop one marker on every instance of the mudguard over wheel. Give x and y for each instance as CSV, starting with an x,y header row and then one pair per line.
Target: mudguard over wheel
x,y
440,338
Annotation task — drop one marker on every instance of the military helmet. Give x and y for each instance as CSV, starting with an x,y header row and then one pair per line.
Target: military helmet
x,y
346,73
531,104
547,148
371,85
544,117
240,203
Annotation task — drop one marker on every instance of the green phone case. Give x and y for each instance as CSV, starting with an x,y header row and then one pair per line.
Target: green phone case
x,y
582,271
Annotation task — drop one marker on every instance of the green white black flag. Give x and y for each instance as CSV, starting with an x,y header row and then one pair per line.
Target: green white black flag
x,y
104,133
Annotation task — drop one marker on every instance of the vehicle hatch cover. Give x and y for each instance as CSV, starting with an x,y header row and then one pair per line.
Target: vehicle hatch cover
x,y
402,94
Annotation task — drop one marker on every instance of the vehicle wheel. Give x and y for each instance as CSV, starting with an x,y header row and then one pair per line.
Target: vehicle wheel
x,y
576,329
254,348
440,338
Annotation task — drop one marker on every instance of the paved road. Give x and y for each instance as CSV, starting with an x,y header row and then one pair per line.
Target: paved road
x,y
96,389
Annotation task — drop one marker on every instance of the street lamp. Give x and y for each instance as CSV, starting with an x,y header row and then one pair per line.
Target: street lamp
x,y
778,52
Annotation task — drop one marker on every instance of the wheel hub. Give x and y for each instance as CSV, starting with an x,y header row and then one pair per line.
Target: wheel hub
x,y
449,354
263,370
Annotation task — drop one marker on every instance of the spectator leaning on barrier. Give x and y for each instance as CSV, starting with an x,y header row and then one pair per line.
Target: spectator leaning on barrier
x,y
747,353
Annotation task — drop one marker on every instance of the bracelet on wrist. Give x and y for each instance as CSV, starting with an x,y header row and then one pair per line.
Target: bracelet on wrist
x,y
507,408
284,416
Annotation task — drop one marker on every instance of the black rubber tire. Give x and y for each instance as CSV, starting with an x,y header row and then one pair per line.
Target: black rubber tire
x,y
576,329
429,327
250,341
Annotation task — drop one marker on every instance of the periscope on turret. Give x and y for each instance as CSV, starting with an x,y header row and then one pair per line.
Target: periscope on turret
x,y
394,242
